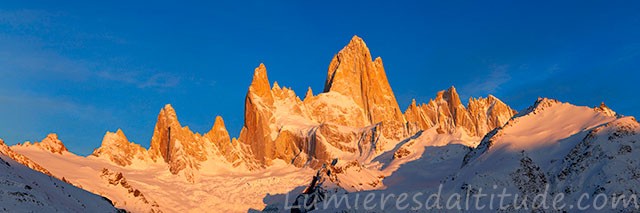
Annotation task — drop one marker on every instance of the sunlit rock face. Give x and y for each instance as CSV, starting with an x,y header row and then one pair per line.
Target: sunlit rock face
x,y
258,114
353,73
279,125
222,145
50,143
117,148
356,115
176,145
354,118
448,113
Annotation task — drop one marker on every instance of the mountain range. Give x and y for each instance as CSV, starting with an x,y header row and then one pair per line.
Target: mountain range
x,y
356,128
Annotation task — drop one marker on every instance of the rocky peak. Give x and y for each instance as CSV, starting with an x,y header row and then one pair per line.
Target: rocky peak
x,y
447,112
218,133
117,148
309,94
166,131
346,69
168,118
492,98
218,124
545,102
541,104
50,143
120,134
353,73
260,86
258,115
452,98
114,139
413,105
276,86
603,108
176,145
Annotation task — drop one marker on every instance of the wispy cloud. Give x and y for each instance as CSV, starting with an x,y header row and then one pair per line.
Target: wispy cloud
x,y
30,104
26,58
160,80
497,76
22,56
21,60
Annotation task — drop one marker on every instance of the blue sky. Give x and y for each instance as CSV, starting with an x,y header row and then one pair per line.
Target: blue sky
x,y
83,68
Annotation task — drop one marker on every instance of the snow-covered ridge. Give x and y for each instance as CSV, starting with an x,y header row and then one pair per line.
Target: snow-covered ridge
x,y
540,119
25,190
552,146
5,150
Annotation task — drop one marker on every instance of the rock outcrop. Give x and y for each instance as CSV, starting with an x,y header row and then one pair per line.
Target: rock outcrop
x,y
353,73
178,146
222,145
183,149
448,113
258,115
117,148
50,143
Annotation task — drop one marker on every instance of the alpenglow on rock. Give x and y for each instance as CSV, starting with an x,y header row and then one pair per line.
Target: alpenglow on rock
x,y
356,117
447,113
117,148
353,73
356,114
51,143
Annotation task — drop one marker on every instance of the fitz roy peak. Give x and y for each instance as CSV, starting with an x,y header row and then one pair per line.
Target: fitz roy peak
x,y
354,128
355,117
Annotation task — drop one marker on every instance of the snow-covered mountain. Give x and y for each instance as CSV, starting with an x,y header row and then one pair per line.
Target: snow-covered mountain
x,y
355,129
550,148
26,187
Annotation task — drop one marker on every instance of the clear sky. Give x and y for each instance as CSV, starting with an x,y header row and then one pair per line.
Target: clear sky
x,y
83,68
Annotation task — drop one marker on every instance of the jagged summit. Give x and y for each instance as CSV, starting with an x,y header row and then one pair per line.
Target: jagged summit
x,y
160,143
120,133
309,94
447,112
348,65
118,149
219,135
119,138
451,96
353,73
50,143
53,144
605,109
540,104
260,85
218,123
